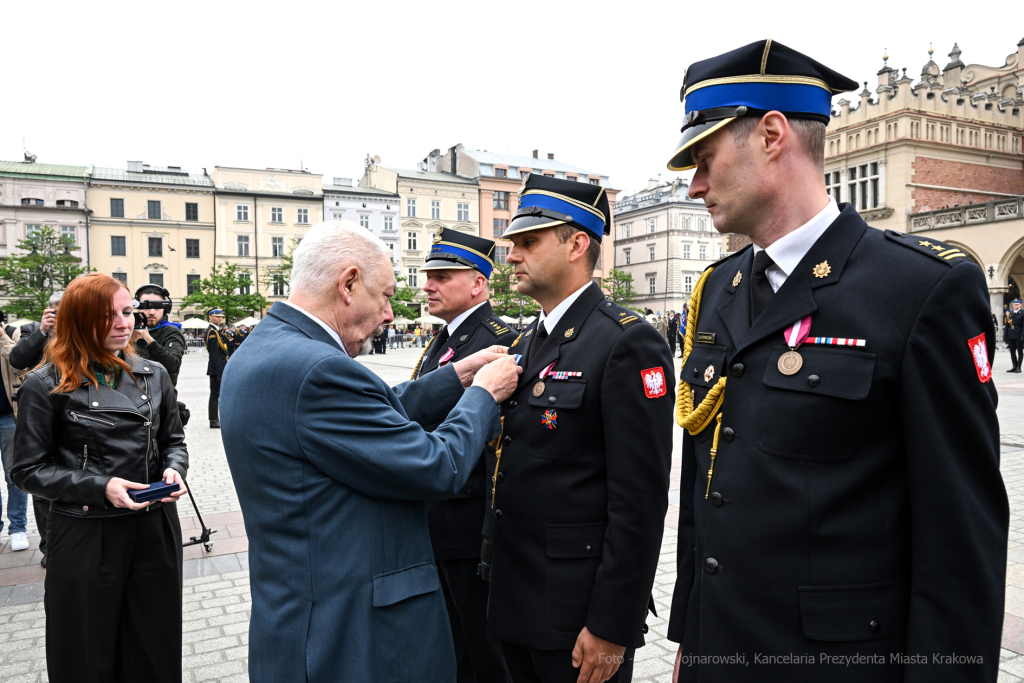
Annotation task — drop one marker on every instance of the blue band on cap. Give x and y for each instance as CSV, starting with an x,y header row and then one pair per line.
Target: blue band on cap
x,y
439,250
791,97
592,223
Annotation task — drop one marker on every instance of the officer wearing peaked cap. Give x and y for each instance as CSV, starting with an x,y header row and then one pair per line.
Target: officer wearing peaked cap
x,y
840,496
458,269
579,482
217,350
1015,335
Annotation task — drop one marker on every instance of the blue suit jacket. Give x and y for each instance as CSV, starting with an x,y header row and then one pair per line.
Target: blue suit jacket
x,y
333,470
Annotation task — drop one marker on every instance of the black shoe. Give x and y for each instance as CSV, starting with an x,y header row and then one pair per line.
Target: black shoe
x,y
42,562
214,424
1012,370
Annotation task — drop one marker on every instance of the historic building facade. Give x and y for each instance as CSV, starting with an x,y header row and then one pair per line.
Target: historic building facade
x,y
259,213
941,156
376,210
33,195
152,225
665,240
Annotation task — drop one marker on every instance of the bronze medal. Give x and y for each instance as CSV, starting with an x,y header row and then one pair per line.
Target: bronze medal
x,y
538,389
790,363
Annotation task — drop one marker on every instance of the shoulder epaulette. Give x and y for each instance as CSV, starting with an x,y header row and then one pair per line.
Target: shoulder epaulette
x,y
620,314
931,247
730,256
496,327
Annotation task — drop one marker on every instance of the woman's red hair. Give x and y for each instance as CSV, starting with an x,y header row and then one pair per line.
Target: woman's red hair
x,y
83,322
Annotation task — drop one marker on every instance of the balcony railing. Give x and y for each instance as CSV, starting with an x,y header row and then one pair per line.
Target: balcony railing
x,y
972,214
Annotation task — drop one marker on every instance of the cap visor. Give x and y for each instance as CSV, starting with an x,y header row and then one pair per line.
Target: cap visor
x,y
682,160
526,223
446,265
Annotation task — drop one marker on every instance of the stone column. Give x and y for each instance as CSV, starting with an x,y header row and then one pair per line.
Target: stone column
x,y
995,298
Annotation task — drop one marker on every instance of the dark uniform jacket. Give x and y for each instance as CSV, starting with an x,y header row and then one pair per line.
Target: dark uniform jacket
x,y
455,525
1016,326
856,506
216,346
167,348
578,510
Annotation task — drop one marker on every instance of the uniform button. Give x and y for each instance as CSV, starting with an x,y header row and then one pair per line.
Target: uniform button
x,y
716,499
469,492
552,399
513,404
85,508
738,369
695,372
711,565
874,626
501,477
607,304
728,434
645,629
814,380
506,441
590,549
497,514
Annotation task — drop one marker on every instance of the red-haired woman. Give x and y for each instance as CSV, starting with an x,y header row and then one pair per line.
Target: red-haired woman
x,y
95,421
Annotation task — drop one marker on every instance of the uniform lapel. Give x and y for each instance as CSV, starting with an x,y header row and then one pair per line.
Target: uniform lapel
x,y
565,331
462,335
735,310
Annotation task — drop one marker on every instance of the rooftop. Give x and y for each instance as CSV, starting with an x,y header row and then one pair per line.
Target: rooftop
x,y
675,192
27,168
348,189
429,175
515,161
153,174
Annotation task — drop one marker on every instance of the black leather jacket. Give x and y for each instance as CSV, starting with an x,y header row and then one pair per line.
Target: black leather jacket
x,y
69,445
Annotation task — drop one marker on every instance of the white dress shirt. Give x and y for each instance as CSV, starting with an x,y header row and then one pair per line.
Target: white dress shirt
x,y
550,320
319,322
788,251
459,319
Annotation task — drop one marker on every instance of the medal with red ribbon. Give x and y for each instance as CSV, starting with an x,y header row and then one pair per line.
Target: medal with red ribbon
x,y
791,361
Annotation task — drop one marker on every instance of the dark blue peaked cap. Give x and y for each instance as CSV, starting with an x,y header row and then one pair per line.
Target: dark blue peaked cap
x,y
750,81
546,202
454,250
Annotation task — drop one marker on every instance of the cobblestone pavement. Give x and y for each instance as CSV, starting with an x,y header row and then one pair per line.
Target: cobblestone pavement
x,y
216,593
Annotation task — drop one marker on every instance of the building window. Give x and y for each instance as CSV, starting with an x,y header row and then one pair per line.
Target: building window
x,y
156,246
651,284
192,248
156,279
501,200
277,214
117,247
410,207
31,202
277,284
652,225
499,226
302,216
245,283
862,186
154,209
243,244
389,222
71,232
501,173
686,251
117,208
410,241
364,221
191,211
412,278
702,252
191,284
276,246
67,202
523,174
833,186
571,177
500,255
627,230
687,284
595,181
242,212
462,212
337,216
628,255
435,209
650,253
123,277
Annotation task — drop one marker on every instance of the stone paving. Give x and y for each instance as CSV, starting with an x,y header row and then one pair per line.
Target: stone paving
x,y
216,591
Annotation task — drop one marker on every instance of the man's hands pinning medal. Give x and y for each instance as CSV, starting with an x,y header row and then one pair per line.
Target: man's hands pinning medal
x,y
500,376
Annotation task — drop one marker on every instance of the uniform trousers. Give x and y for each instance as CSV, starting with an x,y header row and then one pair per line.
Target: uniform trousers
x,y
1016,351
478,657
529,665
672,343
113,598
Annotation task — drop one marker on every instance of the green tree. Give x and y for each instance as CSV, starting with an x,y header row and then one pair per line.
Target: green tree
x,y
619,286
505,299
278,278
399,302
223,290
47,266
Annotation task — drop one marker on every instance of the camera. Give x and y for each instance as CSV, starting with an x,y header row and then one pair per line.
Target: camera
x,y
140,321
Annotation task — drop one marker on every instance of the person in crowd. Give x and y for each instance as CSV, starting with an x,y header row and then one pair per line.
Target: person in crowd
x,y
391,337
1015,335
458,270
577,505
217,350
672,331
416,337
27,354
17,501
162,340
661,324
96,422
681,334
342,572
840,491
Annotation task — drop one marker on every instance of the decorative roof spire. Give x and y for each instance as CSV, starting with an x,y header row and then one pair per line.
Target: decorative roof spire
x,y
954,54
931,51
885,57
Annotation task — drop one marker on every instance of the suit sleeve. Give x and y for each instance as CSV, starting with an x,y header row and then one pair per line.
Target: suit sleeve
x,y
958,506
428,400
29,351
638,447
349,429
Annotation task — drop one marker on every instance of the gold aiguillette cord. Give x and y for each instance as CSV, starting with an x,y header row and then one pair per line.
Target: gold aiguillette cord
x,y
714,452
494,477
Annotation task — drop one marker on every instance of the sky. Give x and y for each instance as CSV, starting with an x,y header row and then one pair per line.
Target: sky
x,y
324,84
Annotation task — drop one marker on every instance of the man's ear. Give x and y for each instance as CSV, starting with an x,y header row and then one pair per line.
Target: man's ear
x,y
579,244
347,283
774,134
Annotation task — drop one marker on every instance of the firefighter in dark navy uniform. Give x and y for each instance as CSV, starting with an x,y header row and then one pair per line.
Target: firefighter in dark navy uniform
x,y
1015,335
842,514
458,269
217,350
580,478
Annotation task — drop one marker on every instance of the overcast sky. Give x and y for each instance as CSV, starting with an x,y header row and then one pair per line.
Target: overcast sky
x,y
200,84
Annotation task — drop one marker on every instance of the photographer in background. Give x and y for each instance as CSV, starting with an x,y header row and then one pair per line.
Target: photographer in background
x,y
17,500
161,340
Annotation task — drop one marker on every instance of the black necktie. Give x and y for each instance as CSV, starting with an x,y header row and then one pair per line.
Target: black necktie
x,y
538,341
760,289
438,344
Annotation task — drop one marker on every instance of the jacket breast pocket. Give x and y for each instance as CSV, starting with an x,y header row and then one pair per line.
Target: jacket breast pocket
x,y
574,554
703,368
850,613
558,430
817,413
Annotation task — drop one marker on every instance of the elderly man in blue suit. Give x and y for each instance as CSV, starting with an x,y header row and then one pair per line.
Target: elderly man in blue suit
x,y
333,470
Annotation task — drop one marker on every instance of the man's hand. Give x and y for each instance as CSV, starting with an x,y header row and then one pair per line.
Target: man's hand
x,y
117,493
141,334
597,659
499,377
46,324
468,367
173,476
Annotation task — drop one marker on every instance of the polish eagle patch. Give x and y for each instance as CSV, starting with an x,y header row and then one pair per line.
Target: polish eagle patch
x,y
654,382
979,352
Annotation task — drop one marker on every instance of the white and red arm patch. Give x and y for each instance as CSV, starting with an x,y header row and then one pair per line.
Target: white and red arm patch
x,y
979,352
654,382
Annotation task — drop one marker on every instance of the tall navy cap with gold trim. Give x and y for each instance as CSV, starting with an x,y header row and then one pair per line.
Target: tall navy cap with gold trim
x,y
454,250
750,81
545,202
